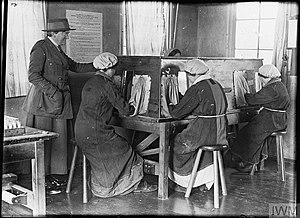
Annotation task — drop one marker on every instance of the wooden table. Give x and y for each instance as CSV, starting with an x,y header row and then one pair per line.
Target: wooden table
x,y
30,146
161,128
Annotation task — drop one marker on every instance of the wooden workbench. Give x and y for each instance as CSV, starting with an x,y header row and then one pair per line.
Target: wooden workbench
x,y
30,146
161,128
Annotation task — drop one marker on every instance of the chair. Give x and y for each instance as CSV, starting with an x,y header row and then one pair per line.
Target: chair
x,y
68,189
280,155
218,167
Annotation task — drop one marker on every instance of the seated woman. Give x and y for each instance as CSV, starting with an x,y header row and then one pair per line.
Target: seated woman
x,y
248,148
115,168
206,100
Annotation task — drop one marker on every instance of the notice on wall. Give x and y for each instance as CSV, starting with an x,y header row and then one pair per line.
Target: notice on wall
x,y
84,43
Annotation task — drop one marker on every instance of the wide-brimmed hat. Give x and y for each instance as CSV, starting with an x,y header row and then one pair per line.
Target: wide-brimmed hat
x,y
58,25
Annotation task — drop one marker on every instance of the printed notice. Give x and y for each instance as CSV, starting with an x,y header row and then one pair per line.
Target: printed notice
x,y
85,42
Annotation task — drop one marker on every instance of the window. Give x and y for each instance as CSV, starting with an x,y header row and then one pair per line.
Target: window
x,y
255,30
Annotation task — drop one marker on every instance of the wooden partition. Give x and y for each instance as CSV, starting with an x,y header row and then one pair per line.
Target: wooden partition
x,y
221,69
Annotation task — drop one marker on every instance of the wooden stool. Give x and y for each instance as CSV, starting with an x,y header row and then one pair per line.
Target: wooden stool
x,y
280,154
68,189
218,166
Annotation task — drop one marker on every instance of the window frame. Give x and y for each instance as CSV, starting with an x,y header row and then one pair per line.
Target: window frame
x,y
260,18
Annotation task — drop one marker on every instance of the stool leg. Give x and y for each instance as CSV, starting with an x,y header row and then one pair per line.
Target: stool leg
x,y
216,182
254,168
279,142
72,170
84,181
262,165
278,154
222,174
193,174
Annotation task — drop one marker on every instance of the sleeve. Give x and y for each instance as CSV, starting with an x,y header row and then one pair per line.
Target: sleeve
x,y
186,105
114,97
35,76
264,96
81,67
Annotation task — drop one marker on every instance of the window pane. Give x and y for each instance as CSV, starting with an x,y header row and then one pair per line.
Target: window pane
x,y
246,53
266,55
247,10
246,34
267,30
269,9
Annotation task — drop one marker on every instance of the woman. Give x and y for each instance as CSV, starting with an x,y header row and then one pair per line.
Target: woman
x,y
249,149
48,103
115,168
206,100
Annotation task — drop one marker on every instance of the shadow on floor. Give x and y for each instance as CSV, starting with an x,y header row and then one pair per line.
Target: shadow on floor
x,y
247,196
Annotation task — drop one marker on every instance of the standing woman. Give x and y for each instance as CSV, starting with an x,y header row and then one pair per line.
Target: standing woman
x,y
115,168
48,102
206,100
249,149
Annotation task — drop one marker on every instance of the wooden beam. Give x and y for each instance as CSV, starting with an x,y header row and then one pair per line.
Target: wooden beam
x,y
146,142
149,152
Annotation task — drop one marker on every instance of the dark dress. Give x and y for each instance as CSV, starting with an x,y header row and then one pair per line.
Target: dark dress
x,y
249,145
205,98
115,167
48,102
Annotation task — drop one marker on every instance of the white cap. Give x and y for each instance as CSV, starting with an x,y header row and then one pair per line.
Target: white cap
x,y
105,60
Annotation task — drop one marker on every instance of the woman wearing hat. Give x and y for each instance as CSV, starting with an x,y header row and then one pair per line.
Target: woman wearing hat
x,y
206,100
115,168
48,102
248,148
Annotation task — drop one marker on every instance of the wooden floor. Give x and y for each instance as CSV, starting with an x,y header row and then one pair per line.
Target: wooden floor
x,y
260,195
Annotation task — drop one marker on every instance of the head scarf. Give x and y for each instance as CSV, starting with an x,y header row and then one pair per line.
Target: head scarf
x,y
196,66
105,60
269,71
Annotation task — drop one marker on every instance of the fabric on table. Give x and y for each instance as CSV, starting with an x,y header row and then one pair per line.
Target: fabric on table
x,y
258,82
140,93
169,93
241,87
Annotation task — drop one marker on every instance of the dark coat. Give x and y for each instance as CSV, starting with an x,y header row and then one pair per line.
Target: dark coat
x,y
205,98
115,167
249,144
49,94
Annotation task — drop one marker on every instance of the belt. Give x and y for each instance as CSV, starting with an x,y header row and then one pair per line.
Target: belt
x,y
273,110
211,116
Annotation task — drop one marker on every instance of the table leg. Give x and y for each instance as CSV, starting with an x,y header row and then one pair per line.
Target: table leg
x,y
163,160
38,180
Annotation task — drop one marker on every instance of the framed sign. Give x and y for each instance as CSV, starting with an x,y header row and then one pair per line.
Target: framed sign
x,y
84,43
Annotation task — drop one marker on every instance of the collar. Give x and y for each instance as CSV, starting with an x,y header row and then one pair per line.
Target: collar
x,y
202,77
53,41
102,74
273,80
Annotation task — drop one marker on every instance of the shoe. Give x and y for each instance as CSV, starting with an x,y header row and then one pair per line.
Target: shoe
x,y
53,191
244,167
145,187
179,188
203,188
56,181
